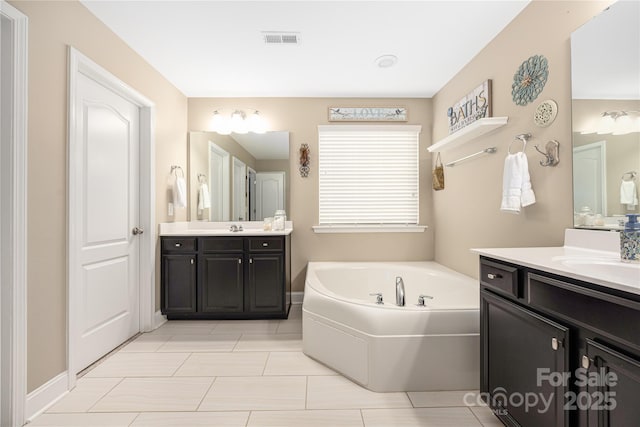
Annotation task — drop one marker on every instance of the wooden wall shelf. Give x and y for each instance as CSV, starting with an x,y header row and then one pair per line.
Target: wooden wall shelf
x,y
474,130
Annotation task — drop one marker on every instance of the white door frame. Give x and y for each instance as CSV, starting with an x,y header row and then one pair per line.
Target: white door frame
x,y
601,146
13,304
80,64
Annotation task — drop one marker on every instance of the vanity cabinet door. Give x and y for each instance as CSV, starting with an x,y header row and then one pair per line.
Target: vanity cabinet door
x,y
520,351
221,283
266,283
178,284
615,399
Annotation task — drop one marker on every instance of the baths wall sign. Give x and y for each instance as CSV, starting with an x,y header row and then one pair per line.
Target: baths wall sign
x,y
473,106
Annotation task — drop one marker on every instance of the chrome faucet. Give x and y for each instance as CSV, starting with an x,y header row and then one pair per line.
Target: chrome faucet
x,y
235,228
399,291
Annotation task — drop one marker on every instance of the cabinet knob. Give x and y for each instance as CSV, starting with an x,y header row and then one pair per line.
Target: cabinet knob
x,y
585,362
239,260
178,245
191,261
494,276
555,343
250,260
265,244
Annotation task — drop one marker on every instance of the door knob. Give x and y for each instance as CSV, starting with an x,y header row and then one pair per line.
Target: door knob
x,y
136,231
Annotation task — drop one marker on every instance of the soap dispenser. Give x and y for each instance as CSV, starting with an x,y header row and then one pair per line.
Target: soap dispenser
x,y
630,239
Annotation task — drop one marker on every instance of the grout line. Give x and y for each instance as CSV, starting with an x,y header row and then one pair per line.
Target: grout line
x,y
306,393
410,401
475,416
266,362
205,393
105,395
362,417
134,419
182,364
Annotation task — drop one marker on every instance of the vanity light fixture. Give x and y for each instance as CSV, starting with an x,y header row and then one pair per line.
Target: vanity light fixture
x,y
617,122
238,122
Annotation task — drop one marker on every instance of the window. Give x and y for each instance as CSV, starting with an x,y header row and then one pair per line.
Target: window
x,y
368,175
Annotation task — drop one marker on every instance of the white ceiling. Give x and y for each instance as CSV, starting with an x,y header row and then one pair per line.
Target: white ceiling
x,y
213,48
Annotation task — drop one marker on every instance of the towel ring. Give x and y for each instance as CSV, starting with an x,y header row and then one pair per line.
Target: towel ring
x,y
202,178
523,137
632,175
175,168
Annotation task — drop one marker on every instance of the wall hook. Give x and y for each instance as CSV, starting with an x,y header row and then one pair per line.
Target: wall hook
x,y
552,153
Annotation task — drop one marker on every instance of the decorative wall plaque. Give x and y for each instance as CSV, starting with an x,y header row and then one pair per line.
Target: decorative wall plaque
x,y
368,114
473,106
530,79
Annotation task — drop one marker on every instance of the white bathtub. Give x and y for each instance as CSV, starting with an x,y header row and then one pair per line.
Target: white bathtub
x,y
386,347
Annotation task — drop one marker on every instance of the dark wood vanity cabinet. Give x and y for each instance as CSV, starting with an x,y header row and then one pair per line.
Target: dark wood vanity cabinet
x,y
178,275
229,278
556,351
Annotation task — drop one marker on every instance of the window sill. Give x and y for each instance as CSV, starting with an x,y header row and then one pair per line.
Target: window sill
x,y
385,228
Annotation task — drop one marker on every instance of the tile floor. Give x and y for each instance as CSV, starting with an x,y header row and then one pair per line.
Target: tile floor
x,y
240,373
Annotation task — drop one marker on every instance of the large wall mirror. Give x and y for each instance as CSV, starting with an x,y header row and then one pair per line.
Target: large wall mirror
x,y
238,177
605,77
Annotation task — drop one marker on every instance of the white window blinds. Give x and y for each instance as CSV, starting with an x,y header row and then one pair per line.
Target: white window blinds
x,y
368,174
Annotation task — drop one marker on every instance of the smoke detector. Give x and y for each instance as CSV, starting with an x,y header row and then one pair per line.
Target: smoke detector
x,y
281,37
386,61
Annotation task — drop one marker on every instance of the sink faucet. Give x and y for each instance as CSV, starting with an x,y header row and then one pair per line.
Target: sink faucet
x,y
399,291
235,228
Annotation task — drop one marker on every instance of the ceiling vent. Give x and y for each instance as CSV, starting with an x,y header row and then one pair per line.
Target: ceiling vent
x,y
278,37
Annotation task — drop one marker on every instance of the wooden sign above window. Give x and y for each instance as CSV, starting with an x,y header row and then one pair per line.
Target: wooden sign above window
x,y
368,114
473,106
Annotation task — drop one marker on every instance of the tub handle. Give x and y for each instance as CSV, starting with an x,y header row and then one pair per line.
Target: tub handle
x,y
421,299
378,296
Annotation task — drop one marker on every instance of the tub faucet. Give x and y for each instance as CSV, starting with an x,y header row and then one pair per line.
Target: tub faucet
x,y
399,291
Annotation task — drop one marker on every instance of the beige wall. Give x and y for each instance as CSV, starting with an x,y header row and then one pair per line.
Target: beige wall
x,y
622,152
301,116
53,26
467,212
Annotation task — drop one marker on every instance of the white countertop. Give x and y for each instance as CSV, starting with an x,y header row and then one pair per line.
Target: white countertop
x,y
578,259
204,228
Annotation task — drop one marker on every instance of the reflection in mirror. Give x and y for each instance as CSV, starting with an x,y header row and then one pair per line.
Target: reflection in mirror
x,y
605,65
237,177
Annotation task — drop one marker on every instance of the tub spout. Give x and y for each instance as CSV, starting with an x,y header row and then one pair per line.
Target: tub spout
x,y
399,291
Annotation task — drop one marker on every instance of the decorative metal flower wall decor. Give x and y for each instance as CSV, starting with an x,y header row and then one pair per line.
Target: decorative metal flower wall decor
x,y
529,80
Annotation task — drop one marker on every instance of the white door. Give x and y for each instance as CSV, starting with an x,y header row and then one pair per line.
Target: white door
x,y
589,179
105,255
219,173
239,191
251,190
269,194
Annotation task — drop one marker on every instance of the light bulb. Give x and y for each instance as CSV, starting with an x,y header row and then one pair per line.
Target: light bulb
x,y
623,125
606,124
238,124
257,123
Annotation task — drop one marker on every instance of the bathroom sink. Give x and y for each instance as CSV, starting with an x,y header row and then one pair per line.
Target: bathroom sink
x,y
604,267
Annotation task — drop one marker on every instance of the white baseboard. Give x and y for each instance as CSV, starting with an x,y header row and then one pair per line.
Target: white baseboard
x,y
159,319
297,297
46,395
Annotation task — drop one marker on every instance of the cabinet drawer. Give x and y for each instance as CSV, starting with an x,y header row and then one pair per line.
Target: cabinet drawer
x,y
179,244
260,244
499,277
612,316
222,244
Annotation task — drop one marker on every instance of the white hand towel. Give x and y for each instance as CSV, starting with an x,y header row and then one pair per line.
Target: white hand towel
x,y
511,185
516,184
204,199
628,194
180,192
528,197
